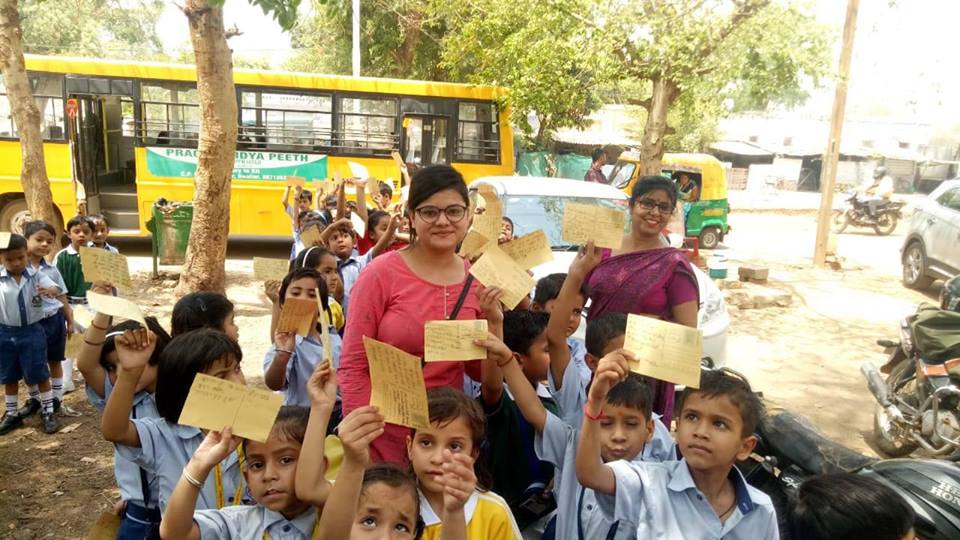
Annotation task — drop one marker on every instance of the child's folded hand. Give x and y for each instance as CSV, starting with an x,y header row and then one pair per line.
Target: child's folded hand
x,y
135,347
496,350
102,287
490,303
216,446
322,386
48,292
357,430
458,480
285,340
271,288
586,260
612,368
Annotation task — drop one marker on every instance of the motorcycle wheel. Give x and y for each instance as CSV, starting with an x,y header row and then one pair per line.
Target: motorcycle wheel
x,y
886,224
891,440
841,220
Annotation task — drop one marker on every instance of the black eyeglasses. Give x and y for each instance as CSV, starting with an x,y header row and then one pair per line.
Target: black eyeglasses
x,y
650,204
431,214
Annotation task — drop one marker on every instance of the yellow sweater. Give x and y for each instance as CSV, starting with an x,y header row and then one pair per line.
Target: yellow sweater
x,y
488,518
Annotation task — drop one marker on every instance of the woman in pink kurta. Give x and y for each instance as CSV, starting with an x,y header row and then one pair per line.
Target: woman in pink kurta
x,y
400,291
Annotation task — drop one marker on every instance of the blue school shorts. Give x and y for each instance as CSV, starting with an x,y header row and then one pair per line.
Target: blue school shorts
x,y
55,328
23,354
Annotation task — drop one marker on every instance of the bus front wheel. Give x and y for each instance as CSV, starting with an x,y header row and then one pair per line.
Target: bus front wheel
x,y
13,214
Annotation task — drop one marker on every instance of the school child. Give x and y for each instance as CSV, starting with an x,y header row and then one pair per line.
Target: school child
x,y
296,212
204,310
518,475
457,426
160,445
506,230
546,297
703,496
379,501
269,470
291,360
849,507
57,319
67,261
623,436
23,344
98,363
101,232
384,195
325,262
341,239
378,224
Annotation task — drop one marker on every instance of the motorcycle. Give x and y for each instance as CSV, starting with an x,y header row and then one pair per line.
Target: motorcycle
x,y
918,405
856,212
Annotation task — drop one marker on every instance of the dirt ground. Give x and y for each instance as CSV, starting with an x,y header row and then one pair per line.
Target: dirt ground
x,y
805,357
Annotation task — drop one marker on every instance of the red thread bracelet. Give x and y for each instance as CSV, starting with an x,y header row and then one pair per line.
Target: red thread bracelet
x,y
599,416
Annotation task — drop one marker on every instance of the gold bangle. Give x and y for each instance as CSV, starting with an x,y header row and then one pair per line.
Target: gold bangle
x,y
93,324
510,359
191,480
87,341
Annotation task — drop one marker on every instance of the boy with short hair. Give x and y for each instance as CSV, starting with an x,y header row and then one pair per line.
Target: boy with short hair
x,y
57,319
23,345
67,261
703,496
302,200
341,240
101,232
546,297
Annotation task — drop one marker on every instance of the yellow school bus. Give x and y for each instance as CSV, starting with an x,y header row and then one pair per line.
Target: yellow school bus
x,y
126,134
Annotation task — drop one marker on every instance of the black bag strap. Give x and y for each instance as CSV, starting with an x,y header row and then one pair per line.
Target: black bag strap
x,y
144,483
462,298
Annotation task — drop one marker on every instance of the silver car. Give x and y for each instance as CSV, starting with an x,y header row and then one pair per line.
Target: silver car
x,y
534,203
932,247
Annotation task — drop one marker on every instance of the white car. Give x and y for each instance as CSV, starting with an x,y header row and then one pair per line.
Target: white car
x,y
931,249
534,203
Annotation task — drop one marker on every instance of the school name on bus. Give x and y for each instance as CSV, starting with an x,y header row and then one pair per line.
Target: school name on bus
x,y
251,165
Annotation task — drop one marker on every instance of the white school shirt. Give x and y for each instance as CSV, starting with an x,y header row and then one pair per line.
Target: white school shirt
x,y
307,353
250,522
572,399
578,353
165,449
660,501
127,472
20,303
350,270
51,306
106,246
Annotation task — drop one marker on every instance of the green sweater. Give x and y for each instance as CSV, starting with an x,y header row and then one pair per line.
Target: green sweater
x,y
68,263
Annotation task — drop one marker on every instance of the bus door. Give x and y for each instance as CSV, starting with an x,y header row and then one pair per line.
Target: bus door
x,y
102,136
424,140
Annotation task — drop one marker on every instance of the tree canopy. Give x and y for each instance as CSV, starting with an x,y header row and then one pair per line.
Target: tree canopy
x,y
102,28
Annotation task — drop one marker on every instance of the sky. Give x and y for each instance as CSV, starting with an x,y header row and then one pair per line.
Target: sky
x,y
903,67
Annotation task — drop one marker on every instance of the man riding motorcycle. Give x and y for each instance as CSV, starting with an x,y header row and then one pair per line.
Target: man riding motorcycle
x,y
879,192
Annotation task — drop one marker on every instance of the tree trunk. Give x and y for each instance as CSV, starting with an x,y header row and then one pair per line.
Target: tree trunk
x,y
665,92
203,269
26,116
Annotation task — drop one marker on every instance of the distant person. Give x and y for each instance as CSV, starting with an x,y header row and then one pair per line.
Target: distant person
x,y
878,192
689,190
595,174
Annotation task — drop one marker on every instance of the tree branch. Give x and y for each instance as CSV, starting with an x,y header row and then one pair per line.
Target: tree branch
x,y
232,32
744,10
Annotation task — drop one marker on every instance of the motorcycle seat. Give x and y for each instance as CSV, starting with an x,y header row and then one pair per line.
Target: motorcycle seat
x,y
793,437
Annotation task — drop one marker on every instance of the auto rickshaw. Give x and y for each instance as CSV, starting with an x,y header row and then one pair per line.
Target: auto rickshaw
x,y
705,190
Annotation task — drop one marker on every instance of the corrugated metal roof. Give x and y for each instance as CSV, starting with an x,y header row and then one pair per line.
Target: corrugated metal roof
x,y
740,148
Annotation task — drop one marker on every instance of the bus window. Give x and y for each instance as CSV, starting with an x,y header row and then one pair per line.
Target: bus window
x,y
48,90
367,125
171,114
300,122
477,136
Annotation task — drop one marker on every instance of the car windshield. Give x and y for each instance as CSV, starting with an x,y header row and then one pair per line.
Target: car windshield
x,y
619,175
532,212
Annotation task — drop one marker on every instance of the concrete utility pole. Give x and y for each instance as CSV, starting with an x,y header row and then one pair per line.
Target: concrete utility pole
x,y
828,176
356,38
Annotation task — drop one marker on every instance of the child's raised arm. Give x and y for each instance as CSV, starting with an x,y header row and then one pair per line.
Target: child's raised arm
x,y
524,395
337,225
357,431
311,486
134,349
586,260
458,482
286,198
387,237
361,186
591,471
275,376
88,359
491,378
178,518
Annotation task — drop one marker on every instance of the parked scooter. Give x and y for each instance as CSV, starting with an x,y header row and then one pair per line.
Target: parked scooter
x,y
884,222
918,405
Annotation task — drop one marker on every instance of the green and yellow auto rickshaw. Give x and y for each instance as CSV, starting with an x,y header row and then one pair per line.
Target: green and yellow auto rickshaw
x,y
701,184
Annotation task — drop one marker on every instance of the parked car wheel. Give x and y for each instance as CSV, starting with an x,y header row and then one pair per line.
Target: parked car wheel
x,y
710,238
915,267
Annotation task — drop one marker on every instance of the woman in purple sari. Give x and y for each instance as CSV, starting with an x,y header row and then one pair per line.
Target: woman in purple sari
x,y
646,276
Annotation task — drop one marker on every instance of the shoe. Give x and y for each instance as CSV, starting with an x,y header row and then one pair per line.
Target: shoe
x,y
56,405
50,424
10,422
30,408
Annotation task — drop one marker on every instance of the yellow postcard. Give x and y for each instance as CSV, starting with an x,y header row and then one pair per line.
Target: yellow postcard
x,y
496,269
297,316
4,240
296,181
473,245
267,269
404,172
324,330
102,265
216,403
310,236
453,340
491,201
115,306
585,222
666,351
529,250
396,385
